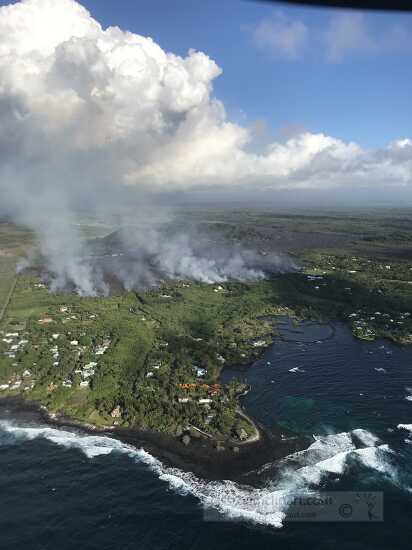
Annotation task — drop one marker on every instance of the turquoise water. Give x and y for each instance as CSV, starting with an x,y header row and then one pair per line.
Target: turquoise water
x,y
65,490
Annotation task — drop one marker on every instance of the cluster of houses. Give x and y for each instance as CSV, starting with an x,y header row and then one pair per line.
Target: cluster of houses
x,y
17,382
88,370
16,343
13,340
211,389
363,323
86,373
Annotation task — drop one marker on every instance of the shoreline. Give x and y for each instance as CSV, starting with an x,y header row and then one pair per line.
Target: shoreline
x,y
199,457
208,457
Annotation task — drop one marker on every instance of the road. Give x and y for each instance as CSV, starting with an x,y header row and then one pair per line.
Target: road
x,y
7,300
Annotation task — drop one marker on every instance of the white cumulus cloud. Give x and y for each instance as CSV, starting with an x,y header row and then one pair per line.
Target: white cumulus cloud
x,y
84,108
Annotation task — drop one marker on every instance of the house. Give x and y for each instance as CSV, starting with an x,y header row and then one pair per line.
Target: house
x,y
116,412
200,373
184,399
87,373
100,350
150,374
74,342
45,320
188,386
84,384
259,343
67,384
4,387
204,401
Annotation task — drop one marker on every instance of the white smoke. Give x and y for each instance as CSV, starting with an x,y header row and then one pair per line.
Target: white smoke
x,y
142,256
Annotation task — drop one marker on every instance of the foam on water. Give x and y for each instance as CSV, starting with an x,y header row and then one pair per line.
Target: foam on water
x,y
408,428
267,505
405,427
365,437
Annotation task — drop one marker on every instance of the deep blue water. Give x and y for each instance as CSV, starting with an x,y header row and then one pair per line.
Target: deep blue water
x,y
61,490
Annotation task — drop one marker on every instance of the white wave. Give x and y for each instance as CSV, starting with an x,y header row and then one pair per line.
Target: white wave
x,y
405,427
90,445
408,428
267,505
408,398
367,438
334,465
296,369
376,458
330,454
262,506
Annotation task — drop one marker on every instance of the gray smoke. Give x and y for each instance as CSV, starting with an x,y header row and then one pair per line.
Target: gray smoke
x,y
147,255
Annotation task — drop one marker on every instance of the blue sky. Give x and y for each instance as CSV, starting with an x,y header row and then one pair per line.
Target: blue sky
x,y
364,96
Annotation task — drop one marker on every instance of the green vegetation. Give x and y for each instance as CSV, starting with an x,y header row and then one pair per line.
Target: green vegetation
x,y
152,359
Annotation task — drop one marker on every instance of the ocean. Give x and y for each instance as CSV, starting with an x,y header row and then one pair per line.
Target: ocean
x,y
63,489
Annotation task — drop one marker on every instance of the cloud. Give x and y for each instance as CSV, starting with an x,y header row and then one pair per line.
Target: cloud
x,y
92,117
87,111
349,33
281,36
345,34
